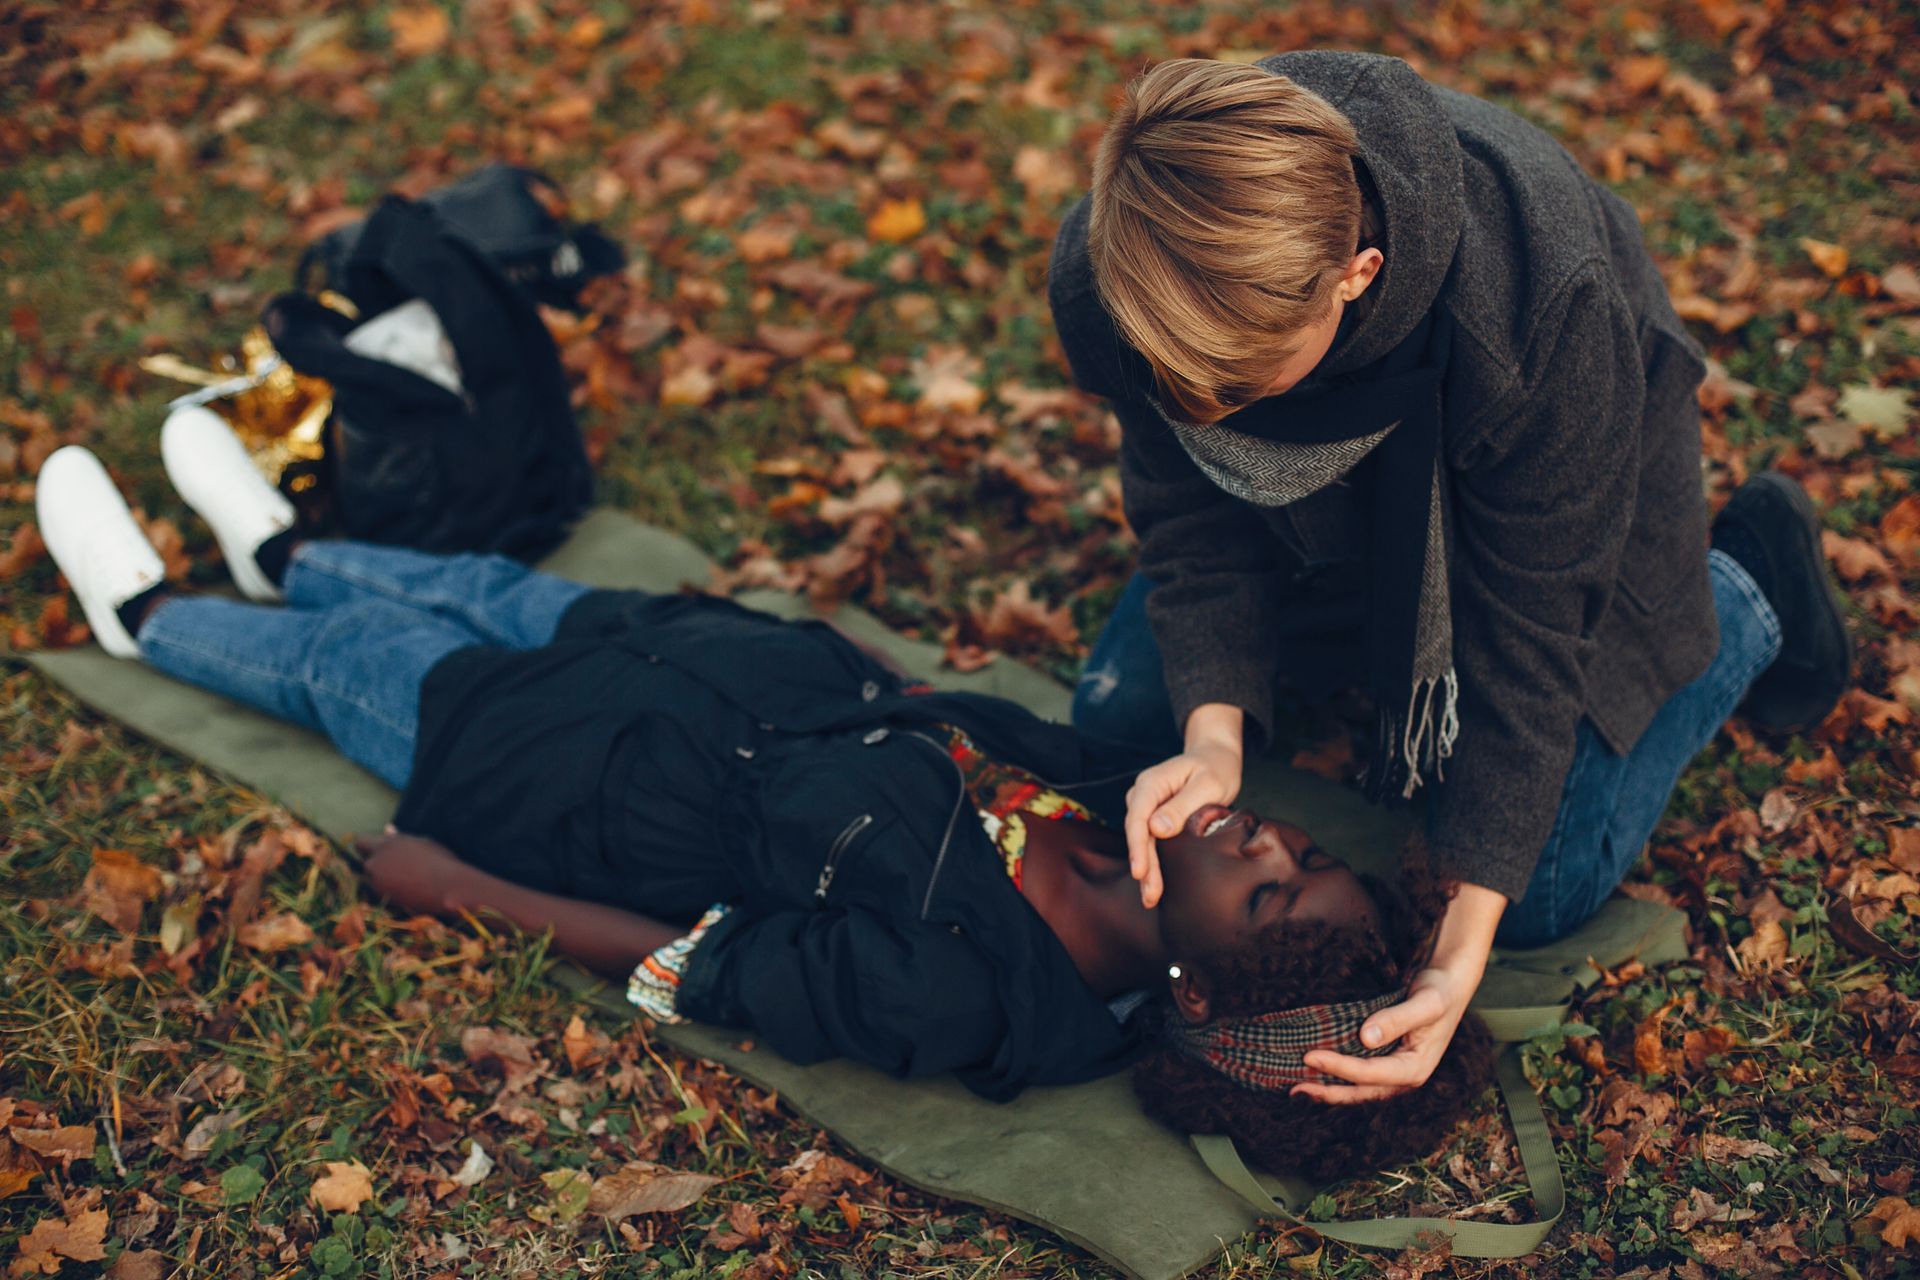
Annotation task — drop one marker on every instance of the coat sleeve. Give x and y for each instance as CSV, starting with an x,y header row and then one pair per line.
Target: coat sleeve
x,y
1542,501
1210,557
907,997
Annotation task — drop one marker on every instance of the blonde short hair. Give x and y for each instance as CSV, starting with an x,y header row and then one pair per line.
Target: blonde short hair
x,y
1225,210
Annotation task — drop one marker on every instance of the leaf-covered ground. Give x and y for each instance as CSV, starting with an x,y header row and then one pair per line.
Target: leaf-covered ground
x,y
830,363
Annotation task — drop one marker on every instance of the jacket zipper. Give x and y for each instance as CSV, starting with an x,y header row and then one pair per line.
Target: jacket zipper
x,y
834,853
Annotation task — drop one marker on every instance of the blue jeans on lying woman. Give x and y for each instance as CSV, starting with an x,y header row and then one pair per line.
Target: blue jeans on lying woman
x,y
361,627
1610,803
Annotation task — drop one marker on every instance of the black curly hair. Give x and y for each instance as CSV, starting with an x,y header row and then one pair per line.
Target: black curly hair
x,y
1316,962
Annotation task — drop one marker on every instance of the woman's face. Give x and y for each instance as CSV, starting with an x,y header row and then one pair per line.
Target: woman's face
x,y
1230,873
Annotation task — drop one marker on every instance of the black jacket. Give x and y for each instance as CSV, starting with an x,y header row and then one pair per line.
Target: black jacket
x,y
666,752
1571,433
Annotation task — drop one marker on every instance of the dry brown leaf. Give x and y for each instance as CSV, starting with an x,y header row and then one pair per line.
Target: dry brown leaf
x,y
1899,1222
138,1264
511,1054
1716,1147
690,388
945,376
81,1238
344,1187
1702,1207
1830,258
644,1187
118,886
1764,950
1854,559
419,29
585,1046
1902,284
276,933
68,1142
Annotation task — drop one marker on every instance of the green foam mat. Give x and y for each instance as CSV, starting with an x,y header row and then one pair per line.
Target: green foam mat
x,y
1083,1162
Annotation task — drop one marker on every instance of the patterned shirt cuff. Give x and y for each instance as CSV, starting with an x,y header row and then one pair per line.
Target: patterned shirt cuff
x,y
656,980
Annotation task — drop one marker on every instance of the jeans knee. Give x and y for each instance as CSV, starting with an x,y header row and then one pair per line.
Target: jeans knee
x,y
1110,706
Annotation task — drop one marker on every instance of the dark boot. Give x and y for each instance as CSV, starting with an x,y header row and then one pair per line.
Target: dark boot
x,y
1771,528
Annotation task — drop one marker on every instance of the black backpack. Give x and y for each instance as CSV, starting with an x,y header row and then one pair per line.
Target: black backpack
x,y
506,212
498,466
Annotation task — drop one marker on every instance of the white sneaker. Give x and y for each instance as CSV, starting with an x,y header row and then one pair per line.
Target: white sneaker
x,y
210,468
96,542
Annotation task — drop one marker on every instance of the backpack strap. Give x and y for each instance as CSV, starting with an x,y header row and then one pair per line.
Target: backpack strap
x,y
1284,1198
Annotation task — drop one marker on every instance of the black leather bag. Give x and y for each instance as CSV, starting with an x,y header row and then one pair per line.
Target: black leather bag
x,y
496,466
506,212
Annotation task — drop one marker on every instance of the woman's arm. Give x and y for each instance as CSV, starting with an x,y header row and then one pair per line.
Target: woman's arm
x,y
422,875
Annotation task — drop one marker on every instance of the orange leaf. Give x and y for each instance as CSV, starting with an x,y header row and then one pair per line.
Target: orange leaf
x,y
897,220
80,1238
1900,530
1899,1221
276,933
419,30
1637,75
117,886
1830,258
1764,950
1854,559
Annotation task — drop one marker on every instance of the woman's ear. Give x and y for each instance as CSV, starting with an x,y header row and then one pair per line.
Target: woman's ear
x,y
1192,995
1360,273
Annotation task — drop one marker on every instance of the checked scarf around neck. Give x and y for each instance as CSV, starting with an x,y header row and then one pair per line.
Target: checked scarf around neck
x,y
1267,1051
1280,449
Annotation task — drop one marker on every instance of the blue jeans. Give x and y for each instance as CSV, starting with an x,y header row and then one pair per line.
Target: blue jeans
x,y
361,627
1609,804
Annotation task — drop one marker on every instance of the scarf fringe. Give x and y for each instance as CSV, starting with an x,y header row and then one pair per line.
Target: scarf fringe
x,y
1429,735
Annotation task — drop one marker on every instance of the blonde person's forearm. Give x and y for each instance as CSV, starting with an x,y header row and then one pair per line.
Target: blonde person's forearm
x,y
1466,931
1217,724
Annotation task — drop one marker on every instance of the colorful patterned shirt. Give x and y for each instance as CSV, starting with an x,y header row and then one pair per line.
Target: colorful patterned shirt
x,y
1007,798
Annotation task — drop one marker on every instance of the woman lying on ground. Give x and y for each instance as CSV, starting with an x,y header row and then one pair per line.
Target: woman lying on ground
x,y
757,824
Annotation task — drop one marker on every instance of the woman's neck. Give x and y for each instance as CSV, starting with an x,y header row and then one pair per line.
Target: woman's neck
x,y
1075,876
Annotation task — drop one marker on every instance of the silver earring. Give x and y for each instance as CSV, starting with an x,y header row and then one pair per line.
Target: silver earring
x,y
1173,971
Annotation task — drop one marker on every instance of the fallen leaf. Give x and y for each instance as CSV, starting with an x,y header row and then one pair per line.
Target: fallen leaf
x,y
477,1166
1830,258
118,886
1717,1148
571,1190
419,29
690,388
1899,530
644,1187
200,1139
138,1264
68,1142
346,1185
276,933
81,1238
1764,950
1899,1222
1854,559
945,377
585,1047
1902,284
511,1054
897,220
1702,1207
1885,411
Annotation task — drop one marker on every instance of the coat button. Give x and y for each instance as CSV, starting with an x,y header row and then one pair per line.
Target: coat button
x,y
955,930
766,726
869,691
654,658
745,753
874,735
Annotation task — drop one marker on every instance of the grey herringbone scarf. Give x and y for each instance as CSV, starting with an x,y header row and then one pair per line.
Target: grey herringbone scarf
x,y
1281,449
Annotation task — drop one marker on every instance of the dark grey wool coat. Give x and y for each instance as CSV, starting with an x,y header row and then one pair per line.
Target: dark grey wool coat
x,y
1571,434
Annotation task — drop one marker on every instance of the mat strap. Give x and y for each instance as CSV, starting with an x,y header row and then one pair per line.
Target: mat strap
x,y
1274,1198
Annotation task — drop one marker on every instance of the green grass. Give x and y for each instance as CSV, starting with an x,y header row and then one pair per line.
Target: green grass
x,y
348,1047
